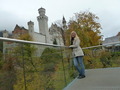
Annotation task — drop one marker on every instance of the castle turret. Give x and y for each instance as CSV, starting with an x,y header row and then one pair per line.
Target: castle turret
x,y
31,28
5,33
43,24
41,11
64,24
64,27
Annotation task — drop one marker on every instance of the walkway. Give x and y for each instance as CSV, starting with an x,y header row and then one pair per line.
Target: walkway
x,y
97,79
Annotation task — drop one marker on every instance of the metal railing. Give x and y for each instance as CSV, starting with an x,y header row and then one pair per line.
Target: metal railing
x,y
47,44
28,65
28,42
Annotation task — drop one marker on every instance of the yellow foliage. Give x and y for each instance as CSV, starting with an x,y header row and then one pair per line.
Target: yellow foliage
x,y
87,28
26,37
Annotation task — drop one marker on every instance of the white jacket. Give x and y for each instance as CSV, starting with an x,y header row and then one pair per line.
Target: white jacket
x,y
77,51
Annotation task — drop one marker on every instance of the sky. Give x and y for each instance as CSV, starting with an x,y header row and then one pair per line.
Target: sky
x,y
19,12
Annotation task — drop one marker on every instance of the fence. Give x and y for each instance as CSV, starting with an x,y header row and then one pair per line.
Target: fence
x,y
27,65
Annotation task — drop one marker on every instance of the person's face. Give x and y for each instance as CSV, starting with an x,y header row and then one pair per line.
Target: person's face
x,y
73,35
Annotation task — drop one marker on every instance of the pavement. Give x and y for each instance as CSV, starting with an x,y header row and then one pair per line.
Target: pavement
x,y
97,79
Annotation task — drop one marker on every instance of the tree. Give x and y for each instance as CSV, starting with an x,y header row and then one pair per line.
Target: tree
x,y
50,58
1,46
87,27
8,74
27,50
25,37
59,23
19,56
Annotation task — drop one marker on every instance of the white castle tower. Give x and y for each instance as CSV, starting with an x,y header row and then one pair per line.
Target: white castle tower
x,y
5,34
43,24
31,28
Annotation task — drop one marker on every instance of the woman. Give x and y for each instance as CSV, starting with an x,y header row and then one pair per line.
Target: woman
x,y
77,54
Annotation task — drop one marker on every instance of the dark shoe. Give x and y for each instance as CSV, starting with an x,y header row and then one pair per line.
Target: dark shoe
x,y
83,76
80,77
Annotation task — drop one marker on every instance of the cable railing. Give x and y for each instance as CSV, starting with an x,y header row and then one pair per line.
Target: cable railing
x,y
28,65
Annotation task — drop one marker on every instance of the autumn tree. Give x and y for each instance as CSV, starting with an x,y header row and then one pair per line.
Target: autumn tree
x,y
26,52
19,61
50,59
87,27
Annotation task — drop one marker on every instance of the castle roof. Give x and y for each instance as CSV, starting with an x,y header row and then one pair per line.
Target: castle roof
x,y
63,21
118,34
20,27
112,39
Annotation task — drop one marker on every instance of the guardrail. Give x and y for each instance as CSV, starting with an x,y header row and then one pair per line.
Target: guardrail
x,y
47,44
26,65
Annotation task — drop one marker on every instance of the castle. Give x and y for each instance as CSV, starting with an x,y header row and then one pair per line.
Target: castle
x,y
45,35
113,39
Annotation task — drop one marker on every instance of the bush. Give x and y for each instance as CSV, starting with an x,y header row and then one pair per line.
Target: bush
x,y
115,54
1,61
106,59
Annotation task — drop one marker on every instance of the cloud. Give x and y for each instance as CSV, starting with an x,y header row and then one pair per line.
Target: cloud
x,y
8,20
110,22
19,12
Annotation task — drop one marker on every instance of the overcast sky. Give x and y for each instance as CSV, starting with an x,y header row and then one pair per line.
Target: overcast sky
x,y
19,12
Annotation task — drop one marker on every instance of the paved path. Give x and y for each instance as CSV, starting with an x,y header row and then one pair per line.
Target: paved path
x,y
97,79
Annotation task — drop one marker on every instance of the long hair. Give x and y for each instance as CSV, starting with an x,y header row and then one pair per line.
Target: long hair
x,y
72,39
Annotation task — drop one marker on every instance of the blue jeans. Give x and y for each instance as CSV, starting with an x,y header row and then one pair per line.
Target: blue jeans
x,y
78,63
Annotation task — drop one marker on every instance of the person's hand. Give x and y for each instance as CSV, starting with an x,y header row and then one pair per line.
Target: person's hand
x,y
70,46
